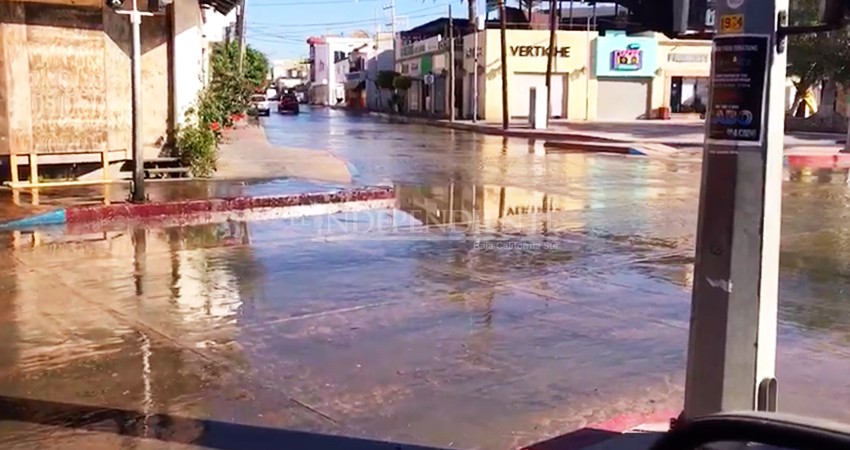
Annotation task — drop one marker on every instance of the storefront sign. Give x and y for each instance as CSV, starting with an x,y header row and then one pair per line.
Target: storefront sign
x,y
687,58
618,55
629,59
421,47
739,76
538,50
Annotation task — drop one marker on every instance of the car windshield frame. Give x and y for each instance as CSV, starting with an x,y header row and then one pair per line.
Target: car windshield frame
x,y
259,98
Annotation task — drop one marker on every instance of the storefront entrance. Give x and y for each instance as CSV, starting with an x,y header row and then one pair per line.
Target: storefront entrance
x,y
688,95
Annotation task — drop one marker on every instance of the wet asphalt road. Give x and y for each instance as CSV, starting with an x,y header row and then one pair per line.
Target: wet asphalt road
x,y
555,296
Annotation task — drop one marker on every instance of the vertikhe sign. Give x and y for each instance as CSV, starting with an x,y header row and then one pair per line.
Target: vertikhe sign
x,y
538,50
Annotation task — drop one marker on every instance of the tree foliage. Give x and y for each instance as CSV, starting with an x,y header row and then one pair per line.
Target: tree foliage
x,y
227,96
386,78
814,58
229,91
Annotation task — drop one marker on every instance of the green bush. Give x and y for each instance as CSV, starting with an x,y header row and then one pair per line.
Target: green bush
x,y
402,83
385,79
197,148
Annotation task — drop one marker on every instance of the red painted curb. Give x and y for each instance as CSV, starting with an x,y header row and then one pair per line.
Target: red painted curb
x,y
99,213
601,432
626,422
833,161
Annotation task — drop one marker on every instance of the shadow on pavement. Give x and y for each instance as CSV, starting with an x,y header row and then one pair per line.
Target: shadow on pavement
x,y
574,440
180,430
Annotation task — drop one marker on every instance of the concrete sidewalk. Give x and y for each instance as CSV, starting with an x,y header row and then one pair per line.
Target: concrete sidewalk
x,y
686,135
247,154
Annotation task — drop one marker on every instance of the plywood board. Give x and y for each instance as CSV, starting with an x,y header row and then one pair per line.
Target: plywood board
x,y
156,83
116,41
14,80
67,86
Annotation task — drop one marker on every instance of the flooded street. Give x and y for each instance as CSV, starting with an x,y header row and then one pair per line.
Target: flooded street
x,y
511,296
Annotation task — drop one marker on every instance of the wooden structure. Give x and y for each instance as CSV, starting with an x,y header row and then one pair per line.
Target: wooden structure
x,y
65,87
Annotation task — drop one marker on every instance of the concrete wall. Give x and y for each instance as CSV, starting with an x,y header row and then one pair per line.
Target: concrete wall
x,y
680,58
188,56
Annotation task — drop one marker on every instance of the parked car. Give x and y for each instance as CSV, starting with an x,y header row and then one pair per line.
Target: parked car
x,y
260,105
288,103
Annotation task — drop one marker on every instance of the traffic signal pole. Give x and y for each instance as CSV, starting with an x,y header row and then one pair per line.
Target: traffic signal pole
x,y
732,346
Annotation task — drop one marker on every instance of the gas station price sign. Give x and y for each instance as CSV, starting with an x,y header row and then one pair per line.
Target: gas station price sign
x,y
739,77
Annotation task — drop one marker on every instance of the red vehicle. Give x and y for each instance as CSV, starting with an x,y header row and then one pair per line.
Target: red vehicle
x,y
288,103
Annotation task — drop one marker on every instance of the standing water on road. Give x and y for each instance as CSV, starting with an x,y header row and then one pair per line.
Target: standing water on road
x,y
510,297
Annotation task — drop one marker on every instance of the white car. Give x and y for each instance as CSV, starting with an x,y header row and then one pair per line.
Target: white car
x,y
261,105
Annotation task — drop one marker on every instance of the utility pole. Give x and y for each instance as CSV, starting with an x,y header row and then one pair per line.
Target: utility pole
x,y
451,67
477,27
504,56
137,187
549,59
240,23
732,346
391,8
136,83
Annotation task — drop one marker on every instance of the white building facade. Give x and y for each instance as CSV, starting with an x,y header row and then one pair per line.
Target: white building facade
x,y
325,52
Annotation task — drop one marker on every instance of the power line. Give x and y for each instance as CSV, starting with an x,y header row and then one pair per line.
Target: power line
x,y
311,3
350,22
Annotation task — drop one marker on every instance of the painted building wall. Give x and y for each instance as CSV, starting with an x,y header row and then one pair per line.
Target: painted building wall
x,y
189,54
380,57
216,24
324,81
526,55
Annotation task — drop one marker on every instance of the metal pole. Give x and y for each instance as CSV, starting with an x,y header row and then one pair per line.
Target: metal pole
x,y
451,67
732,346
475,72
846,148
589,62
240,20
549,58
138,187
503,32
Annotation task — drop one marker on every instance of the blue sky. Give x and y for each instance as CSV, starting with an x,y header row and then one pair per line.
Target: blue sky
x,y
280,28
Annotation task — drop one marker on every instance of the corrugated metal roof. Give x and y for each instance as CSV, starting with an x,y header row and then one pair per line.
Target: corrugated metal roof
x,y
222,6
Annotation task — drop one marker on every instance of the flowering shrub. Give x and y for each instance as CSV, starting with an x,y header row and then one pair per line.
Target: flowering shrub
x,y
197,148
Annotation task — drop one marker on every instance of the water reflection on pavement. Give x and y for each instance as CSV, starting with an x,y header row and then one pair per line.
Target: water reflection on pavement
x,y
509,298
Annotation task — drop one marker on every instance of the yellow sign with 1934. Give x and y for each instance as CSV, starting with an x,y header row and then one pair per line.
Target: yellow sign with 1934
x,y
732,23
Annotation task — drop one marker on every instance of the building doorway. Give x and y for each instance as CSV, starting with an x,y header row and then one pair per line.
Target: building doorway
x,y
688,94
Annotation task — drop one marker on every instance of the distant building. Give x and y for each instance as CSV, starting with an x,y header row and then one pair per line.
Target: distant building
x,y
289,73
325,52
